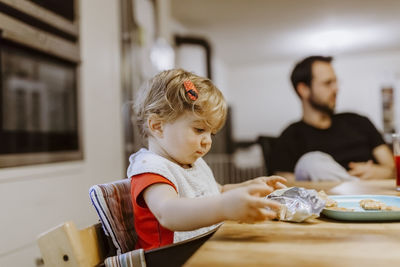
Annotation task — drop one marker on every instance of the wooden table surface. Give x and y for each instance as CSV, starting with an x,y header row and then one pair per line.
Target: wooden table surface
x,y
319,242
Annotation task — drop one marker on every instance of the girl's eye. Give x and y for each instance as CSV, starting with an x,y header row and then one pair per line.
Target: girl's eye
x,y
199,130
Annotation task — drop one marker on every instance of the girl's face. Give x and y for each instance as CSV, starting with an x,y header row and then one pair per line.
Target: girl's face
x,y
184,140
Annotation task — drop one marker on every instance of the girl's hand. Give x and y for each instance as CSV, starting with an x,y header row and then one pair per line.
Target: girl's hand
x,y
244,204
273,182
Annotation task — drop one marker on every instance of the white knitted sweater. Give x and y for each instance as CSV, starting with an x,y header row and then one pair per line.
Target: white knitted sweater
x,y
194,182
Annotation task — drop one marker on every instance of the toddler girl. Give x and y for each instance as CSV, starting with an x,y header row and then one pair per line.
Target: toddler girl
x,y
174,193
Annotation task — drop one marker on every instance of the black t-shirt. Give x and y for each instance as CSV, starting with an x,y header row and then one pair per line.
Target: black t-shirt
x,y
351,137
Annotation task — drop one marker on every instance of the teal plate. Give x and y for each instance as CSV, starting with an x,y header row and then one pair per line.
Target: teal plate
x,y
359,214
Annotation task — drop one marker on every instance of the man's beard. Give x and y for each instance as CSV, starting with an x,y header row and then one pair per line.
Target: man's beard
x,y
324,108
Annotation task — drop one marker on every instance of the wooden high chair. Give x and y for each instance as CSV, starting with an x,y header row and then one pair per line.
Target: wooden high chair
x,y
65,245
114,242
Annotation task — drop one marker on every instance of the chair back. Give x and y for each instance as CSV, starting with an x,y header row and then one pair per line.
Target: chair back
x,y
267,143
112,202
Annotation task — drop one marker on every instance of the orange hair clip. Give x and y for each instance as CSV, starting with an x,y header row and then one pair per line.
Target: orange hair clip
x,y
191,90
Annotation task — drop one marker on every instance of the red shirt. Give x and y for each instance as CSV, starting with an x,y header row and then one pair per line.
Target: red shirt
x,y
149,231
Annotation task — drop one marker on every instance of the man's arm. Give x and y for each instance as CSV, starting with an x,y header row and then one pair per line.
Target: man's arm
x,y
384,156
383,169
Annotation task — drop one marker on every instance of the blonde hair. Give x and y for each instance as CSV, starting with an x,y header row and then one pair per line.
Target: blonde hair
x,y
165,95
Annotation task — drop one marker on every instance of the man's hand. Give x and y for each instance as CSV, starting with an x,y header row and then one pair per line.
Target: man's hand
x,y
363,170
368,170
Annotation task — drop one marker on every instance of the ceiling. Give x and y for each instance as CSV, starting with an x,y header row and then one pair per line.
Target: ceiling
x,y
251,31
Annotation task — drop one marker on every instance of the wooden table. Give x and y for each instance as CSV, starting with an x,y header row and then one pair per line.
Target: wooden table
x,y
320,242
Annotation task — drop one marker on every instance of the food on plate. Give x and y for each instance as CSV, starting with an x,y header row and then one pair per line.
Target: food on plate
x,y
366,204
370,204
328,201
339,208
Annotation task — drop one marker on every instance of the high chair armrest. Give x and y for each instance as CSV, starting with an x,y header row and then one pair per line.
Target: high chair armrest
x,y
65,245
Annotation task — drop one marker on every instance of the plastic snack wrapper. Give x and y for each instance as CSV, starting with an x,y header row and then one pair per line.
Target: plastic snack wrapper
x,y
297,204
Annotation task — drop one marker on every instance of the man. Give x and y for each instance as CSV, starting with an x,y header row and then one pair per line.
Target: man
x,y
350,139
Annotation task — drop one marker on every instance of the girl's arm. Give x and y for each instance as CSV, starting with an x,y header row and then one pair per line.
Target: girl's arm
x,y
184,214
273,182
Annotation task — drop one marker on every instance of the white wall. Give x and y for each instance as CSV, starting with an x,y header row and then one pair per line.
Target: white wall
x,y
261,98
219,72
264,102
361,78
36,198
193,58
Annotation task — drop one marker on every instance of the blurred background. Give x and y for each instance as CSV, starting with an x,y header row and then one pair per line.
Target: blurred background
x,y
70,71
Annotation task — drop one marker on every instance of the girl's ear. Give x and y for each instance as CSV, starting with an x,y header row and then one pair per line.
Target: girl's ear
x,y
155,125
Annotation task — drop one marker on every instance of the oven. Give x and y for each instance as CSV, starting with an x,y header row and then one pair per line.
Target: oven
x,y
39,82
